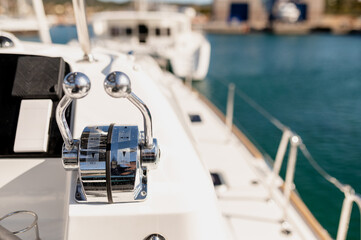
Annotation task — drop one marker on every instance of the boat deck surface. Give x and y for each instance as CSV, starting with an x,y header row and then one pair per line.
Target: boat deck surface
x,y
251,210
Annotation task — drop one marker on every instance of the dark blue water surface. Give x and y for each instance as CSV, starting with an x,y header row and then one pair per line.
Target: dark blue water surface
x,y
60,34
310,83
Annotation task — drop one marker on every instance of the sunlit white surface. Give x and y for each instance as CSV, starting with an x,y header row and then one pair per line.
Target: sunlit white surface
x,y
182,202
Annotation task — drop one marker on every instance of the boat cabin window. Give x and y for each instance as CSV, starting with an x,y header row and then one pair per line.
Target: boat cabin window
x,y
128,31
143,33
162,31
114,31
143,29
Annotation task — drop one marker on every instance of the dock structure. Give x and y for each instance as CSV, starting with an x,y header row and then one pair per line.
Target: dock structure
x,y
250,13
242,15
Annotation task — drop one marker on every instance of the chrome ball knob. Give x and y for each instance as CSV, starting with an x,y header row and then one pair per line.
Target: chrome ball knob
x,y
117,84
6,42
76,85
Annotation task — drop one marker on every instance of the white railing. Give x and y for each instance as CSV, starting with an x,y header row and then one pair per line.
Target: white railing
x,y
295,142
230,106
350,195
280,156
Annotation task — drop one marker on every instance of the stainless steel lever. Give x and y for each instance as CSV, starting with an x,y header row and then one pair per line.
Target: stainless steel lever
x,y
76,85
112,161
118,85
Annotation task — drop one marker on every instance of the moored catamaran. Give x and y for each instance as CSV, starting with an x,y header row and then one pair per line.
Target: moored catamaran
x,y
165,35
101,144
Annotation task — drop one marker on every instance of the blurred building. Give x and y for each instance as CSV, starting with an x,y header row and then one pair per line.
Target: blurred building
x,y
288,15
250,12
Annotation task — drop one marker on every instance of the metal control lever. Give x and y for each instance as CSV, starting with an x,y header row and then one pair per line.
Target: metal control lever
x,y
76,85
112,161
118,85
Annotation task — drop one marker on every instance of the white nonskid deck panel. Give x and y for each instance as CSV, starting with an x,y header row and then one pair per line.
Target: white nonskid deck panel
x,y
248,228
245,200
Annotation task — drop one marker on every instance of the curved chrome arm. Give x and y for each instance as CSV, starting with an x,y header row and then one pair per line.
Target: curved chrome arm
x,y
147,118
117,84
76,85
61,121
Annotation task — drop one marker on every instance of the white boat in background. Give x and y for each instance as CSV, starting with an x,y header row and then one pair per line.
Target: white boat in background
x,y
189,174
287,11
24,22
18,25
167,36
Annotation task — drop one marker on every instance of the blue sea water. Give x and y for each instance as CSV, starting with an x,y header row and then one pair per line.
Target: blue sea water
x,y
312,84
60,34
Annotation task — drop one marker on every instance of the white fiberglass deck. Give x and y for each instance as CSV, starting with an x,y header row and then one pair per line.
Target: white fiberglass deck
x,y
245,201
181,203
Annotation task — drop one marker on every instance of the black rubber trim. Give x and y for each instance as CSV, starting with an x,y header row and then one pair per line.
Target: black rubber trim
x,y
107,164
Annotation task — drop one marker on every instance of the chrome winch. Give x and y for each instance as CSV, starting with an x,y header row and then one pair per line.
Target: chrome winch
x,y
113,160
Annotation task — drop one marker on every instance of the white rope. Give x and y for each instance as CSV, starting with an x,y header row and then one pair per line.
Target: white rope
x,y
342,187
